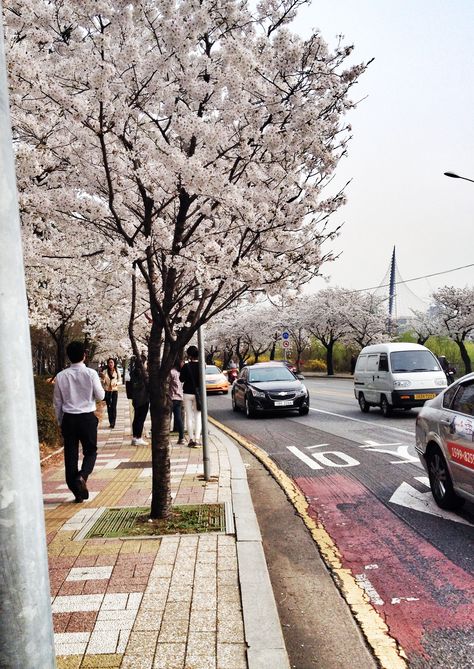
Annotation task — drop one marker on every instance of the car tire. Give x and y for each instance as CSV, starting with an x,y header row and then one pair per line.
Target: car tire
x,y
440,482
303,411
363,404
250,413
234,403
385,406
225,392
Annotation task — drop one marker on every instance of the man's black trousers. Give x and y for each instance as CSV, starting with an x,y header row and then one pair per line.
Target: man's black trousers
x,y
79,427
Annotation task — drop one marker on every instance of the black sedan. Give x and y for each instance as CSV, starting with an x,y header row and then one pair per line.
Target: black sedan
x,y
269,387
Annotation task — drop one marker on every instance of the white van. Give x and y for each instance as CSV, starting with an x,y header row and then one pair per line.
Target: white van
x,y
396,376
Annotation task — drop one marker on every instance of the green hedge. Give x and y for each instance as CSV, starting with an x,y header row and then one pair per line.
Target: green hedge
x,y
48,428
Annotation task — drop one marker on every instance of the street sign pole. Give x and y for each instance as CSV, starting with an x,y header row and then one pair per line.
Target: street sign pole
x,y
285,336
26,629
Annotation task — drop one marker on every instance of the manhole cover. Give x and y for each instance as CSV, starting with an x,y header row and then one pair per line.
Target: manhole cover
x,y
184,519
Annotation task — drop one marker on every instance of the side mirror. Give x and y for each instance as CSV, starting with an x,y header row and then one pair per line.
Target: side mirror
x,y
300,377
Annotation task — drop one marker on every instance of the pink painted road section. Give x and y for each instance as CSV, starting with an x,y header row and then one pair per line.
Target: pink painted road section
x,y
419,592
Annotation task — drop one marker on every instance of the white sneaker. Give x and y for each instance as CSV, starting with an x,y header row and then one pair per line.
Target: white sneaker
x,y
140,442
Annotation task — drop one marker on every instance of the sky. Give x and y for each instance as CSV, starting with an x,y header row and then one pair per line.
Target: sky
x,y
415,121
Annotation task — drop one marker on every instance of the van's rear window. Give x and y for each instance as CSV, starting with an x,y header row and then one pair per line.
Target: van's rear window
x,y
413,361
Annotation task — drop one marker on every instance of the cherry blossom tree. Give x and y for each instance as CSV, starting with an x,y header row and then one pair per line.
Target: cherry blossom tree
x,y
366,318
326,319
196,137
425,324
455,309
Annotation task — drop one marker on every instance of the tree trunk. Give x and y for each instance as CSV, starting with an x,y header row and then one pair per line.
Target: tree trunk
x,y
272,350
158,371
465,356
329,358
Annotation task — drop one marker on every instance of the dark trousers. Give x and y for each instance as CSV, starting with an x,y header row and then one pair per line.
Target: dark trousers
x,y
111,402
139,417
178,418
80,427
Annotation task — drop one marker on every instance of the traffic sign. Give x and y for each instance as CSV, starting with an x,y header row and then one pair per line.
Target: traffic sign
x,y
285,343
285,335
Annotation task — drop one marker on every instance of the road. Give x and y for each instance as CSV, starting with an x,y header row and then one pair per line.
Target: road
x,y
363,481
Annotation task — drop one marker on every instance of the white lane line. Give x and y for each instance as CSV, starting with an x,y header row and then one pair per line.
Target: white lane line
x,y
365,422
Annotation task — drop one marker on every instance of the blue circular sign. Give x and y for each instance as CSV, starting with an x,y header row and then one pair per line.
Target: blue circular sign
x,y
285,335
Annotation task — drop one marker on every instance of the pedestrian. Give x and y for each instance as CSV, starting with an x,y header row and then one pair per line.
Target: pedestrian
x,y
110,381
140,400
175,392
76,390
189,377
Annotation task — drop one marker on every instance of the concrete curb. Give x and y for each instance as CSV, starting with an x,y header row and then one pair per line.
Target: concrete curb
x,y
263,634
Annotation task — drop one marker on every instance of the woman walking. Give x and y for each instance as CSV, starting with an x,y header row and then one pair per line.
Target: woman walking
x,y
110,381
140,399
189,377
176,396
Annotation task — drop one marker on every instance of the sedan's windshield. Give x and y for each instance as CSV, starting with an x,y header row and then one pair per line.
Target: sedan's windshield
x,y
270,374
413,361
212,369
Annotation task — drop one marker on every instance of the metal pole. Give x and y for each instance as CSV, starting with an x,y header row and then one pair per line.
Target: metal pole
x,y
26,632
202,390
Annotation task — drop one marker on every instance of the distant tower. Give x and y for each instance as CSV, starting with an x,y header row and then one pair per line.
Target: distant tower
x,y
391,292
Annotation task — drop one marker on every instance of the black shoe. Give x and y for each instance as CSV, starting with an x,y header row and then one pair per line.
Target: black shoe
x,y
78,500
112,425
81,488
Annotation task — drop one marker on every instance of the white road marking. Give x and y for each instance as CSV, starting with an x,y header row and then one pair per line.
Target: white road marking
x,y
369,589
397,600
316,446
305,458
407,496
364,422
371,566
423,479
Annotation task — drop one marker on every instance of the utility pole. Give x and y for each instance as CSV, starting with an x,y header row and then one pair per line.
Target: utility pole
x,y
26,632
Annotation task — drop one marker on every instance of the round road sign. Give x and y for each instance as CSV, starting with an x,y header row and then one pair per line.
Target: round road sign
x,y
285,343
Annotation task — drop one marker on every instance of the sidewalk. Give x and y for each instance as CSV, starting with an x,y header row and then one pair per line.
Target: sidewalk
x,y
201,601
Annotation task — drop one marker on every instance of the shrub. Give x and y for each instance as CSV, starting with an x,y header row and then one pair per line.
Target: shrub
x,y
316,365
48,429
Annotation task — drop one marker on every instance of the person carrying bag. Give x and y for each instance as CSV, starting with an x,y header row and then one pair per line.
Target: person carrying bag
x,y
190,378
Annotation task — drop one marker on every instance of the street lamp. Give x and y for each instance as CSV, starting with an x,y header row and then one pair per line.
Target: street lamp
x,y
456,176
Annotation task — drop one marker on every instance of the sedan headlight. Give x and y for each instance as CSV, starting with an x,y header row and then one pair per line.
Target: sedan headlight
x,y
256,393
441,382
401,384
302,391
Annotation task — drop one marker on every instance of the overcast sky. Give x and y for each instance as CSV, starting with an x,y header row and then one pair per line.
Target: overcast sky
x,y
416,123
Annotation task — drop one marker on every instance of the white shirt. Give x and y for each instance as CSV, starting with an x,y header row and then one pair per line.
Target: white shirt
x,y
76,389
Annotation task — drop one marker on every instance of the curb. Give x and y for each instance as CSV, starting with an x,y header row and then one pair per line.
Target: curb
x,y
263,634
385,648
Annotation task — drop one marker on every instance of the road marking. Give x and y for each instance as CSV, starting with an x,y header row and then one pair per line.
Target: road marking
x,y
365,422
305,458
347,460
367,587
397,600
423,479
316,446
407,496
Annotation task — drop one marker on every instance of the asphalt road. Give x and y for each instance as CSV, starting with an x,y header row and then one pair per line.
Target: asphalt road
x,y
363,481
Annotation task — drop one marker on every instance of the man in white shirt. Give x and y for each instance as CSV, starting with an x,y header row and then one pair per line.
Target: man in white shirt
x,y
75,391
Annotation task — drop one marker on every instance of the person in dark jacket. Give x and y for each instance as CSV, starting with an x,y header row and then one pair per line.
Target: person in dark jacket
x,y
190,377
140,400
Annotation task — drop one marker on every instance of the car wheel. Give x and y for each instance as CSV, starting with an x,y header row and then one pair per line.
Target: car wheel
x,y
234,403
248,409
385,406
303,411
364,406
225,392
441,483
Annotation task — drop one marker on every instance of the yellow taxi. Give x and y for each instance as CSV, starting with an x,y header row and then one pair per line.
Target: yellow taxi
x,y
216,381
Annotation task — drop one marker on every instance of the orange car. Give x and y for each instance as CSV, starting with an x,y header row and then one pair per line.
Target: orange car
x,y
216,381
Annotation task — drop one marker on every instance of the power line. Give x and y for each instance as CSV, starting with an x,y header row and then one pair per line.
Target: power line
x,y
425,276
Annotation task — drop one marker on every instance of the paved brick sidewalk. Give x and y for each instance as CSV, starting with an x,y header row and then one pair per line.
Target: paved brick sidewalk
x,y
169,603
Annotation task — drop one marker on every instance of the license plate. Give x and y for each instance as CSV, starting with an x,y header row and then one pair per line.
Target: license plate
x,y
425,396
284,403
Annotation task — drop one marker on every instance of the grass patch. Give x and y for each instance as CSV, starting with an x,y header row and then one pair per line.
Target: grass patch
x,y
135,522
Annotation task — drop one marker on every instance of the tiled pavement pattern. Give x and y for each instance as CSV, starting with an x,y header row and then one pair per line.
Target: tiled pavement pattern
x,y
169,603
